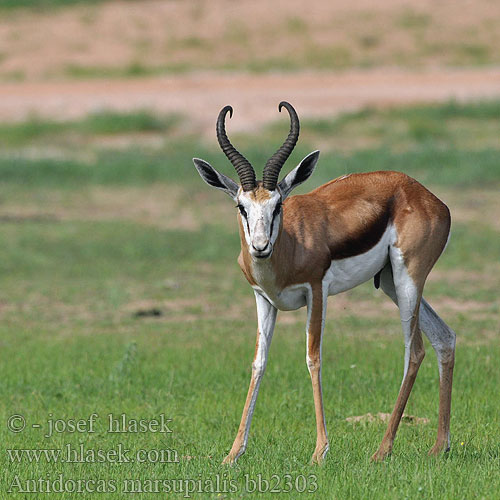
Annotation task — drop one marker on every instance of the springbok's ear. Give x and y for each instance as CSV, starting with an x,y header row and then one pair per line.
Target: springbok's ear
x,y
299,174
216,179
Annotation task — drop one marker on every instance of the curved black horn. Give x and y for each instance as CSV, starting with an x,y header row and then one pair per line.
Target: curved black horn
x,y
276,162
243,167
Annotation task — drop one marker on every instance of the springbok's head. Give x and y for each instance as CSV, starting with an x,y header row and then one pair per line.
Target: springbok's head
x,y
259,202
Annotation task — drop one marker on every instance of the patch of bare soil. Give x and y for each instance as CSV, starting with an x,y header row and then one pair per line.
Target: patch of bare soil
x,y
458,276
471,205
168,207
192,309
255,98
384,417
326,34
38,307
136,39
186,309
161,206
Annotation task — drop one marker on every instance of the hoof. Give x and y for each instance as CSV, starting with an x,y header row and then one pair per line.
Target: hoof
x,y
318,457
380,455
438,449
229,460
232,457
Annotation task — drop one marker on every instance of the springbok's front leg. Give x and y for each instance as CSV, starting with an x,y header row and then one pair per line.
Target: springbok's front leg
x,y
316,309
266,317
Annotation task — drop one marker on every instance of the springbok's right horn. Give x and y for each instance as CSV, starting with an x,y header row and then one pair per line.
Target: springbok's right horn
x,y
243,167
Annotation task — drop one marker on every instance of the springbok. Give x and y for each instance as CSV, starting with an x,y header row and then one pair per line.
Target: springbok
x,y
296,251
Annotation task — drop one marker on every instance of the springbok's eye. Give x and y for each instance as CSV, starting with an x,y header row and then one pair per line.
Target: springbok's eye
x,y
277,209
242,210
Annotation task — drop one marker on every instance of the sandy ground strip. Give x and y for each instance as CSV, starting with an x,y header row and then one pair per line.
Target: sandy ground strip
x,y
254,97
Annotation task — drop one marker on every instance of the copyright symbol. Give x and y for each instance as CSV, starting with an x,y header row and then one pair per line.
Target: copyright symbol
x,y
16,423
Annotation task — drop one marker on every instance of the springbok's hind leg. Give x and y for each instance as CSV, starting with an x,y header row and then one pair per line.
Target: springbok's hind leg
x,y
442,339
407,295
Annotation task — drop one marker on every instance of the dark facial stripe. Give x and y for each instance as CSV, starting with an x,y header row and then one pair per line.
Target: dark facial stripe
x,y
248,225
275,214
272,227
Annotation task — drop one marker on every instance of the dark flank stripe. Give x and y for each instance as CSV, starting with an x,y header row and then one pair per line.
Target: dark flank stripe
x,y
362,240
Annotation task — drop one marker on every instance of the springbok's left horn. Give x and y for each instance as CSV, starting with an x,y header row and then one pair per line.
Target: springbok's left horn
x,y
276,162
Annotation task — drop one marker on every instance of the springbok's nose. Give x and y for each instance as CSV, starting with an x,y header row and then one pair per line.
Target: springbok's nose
x,y
260,245
260,241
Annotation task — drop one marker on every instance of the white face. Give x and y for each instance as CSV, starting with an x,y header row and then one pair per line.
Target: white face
x,y
260,209
261,219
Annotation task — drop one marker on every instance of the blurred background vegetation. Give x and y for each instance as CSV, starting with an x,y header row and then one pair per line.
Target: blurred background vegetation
x,y
84,39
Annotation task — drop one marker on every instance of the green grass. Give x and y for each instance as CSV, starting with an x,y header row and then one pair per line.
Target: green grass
x,y
98,123
197,375
43,4
468,126
449,168
412,20
134,69
196,372
451,145
72,344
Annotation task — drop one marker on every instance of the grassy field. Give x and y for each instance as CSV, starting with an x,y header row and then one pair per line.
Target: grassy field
x,y
120,293
42,4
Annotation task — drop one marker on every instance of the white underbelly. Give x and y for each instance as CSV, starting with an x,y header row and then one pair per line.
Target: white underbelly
x,y
342,275
348,273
